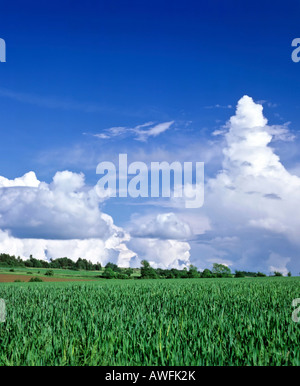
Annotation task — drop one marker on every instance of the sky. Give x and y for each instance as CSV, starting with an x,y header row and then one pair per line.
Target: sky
x,y
160,81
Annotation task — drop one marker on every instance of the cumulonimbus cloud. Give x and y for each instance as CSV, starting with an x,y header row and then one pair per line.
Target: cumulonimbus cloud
x,y
254,191
252,176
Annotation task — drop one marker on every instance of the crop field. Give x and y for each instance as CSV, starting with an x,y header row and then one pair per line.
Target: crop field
x,y
151,322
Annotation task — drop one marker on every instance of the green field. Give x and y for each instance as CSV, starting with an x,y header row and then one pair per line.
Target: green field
x,y
151,322
58,273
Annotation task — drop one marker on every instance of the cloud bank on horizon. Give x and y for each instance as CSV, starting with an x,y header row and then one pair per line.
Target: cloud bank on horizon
x,y
250,215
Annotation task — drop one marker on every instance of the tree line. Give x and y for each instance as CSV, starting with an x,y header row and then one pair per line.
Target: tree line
x,y
218,271
62,263
111,270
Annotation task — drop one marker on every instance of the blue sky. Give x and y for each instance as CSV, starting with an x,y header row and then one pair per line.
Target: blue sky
x,y
75,70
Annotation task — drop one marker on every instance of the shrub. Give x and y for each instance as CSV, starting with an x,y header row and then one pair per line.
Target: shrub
x,y
49,273
109,273
122,276
35,280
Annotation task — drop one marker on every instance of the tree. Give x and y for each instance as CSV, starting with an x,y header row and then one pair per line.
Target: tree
x,y
169,274
7,260
184,273
276,273
114,267
176,273
193,272
239,274
128,272
289,274
97,267
147,272
206,274
260,274
63,263
80,263
221,270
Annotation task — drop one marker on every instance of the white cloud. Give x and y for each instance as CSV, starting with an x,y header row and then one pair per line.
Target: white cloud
x,y
58,219
277,263
218,106
218,132
29,180
252,175
218,260
253,193
162,226
113,249
101,136
143,135
64,209
140,132
280,132
162,253
63,219
160,240
112,132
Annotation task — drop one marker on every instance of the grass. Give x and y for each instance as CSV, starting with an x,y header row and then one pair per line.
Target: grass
x,y
151,322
